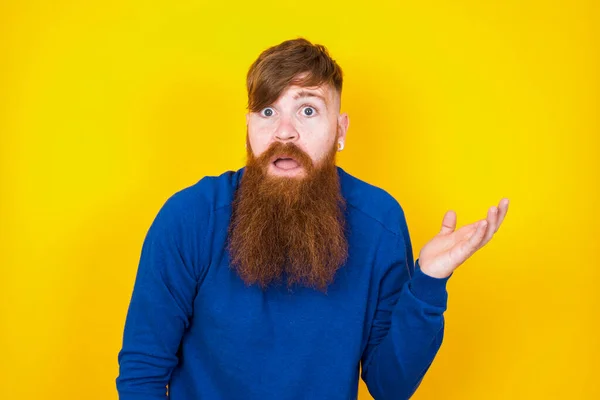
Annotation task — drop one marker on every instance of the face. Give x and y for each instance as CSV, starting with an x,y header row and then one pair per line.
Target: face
x,y
308,117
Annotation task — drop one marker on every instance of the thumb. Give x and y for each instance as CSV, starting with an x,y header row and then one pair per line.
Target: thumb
x,y
448,223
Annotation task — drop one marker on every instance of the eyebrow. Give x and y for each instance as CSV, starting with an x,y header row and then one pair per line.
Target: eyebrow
x,y
306,93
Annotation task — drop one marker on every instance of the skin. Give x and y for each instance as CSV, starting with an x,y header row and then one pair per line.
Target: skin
x,y
315,131
450,248
310,118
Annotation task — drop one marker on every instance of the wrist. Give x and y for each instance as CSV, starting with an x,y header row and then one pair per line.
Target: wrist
x,y
432,272
429,289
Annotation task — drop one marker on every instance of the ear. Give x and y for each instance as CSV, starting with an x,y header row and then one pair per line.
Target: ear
x,y
247,118
343,123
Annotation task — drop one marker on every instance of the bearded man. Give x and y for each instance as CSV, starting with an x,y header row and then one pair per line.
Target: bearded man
x,y
282,279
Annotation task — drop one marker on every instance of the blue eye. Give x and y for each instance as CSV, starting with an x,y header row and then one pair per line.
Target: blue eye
x,y
308,111
267,112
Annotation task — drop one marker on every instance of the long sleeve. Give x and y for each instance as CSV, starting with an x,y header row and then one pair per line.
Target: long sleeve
x,y
161,304
408,326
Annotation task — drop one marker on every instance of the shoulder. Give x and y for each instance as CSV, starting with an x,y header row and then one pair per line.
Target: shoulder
x,y
198,201
375,202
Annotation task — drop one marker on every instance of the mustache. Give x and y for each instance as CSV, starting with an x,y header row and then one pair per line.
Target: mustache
x,y
288,150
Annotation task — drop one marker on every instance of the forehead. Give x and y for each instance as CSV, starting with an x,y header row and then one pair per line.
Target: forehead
x,y
322,92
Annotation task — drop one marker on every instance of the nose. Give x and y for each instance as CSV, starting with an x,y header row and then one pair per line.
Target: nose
x,y
286,132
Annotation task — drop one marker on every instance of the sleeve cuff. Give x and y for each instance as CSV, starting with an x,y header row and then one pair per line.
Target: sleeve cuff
x,y
428,288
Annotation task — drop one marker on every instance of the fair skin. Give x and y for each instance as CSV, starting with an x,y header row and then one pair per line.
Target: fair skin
x,y
311,119
450,248
308,117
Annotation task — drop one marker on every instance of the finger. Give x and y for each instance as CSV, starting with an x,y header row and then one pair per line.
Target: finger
x,y
503,209
475,241
471,244
492,223
448,223
465,232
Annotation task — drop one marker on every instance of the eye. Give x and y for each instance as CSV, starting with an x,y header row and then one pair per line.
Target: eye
x,y
309,111
267,112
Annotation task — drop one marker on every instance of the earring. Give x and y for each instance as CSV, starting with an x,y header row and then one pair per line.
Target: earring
x,y
340,145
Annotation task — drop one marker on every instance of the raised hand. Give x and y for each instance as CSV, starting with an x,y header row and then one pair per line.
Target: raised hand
x,y
449,248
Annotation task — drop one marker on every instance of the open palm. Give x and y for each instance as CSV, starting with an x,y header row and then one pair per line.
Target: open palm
x,y
450,248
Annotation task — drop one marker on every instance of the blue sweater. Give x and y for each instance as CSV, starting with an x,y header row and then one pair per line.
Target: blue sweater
x,y
194,325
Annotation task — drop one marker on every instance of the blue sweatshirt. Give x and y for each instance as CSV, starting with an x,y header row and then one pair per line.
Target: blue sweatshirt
x,y
194,325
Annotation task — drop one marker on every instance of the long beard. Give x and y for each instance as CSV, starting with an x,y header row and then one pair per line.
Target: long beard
x,y
288,228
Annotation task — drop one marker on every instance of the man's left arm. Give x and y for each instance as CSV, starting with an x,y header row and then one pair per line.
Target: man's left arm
x,y
408,327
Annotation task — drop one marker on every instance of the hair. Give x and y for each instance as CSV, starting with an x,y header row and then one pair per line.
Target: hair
x,y
288,229
280,66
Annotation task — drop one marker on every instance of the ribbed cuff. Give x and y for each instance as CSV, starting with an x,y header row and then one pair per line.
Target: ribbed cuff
x,y
428,288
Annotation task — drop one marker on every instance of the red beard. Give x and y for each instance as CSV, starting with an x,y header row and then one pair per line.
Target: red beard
x,y
288,227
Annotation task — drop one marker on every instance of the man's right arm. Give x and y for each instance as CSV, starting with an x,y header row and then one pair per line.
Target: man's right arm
x,y
160,307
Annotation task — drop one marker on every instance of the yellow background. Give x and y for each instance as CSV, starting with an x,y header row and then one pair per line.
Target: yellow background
x,y
109,107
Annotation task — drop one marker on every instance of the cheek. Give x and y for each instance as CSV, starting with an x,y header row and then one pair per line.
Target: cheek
x,y
318,147
259,141
258,145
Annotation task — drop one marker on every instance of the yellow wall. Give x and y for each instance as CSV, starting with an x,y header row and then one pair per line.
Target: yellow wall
x,y
109,107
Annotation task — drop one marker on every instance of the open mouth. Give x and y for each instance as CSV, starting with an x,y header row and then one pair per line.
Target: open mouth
x,y
286,163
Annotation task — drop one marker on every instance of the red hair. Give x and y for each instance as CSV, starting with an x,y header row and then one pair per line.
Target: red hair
x,y
279,66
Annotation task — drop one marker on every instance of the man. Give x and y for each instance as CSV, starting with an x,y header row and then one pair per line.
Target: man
x,y
277,281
